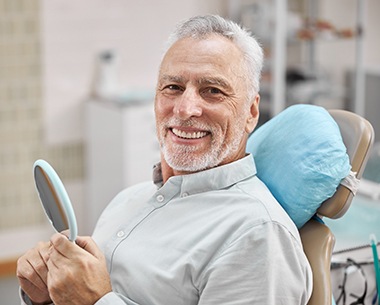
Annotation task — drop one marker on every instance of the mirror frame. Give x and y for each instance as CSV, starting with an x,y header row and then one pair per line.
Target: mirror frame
x,y
59,193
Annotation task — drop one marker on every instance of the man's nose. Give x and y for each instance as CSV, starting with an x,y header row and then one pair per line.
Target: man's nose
x,y
188,105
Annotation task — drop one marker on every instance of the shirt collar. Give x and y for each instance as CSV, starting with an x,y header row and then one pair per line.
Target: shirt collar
x,y
212,179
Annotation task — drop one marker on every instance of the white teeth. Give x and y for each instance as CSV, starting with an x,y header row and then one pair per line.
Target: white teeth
x,y
189,135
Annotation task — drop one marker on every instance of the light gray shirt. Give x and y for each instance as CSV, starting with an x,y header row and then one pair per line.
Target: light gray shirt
x,y
212,237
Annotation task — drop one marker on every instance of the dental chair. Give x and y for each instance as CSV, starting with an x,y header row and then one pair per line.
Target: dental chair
x,y
304,155
318,241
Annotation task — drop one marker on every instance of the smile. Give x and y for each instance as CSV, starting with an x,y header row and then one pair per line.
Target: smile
x,y
189,135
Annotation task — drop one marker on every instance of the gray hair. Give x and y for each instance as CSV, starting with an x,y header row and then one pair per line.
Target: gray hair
x,y
201,26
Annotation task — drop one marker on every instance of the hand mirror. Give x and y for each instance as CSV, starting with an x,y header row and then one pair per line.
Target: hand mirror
x,y
54,199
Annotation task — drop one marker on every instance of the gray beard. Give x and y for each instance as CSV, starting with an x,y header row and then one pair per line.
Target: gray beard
x,y
183,158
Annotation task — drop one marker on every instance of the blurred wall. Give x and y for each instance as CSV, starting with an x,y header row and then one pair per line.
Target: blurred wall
x,y
20,109
73,34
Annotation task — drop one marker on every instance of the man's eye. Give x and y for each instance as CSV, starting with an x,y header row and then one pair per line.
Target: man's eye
x,y
213,94
213,91
173,87
171,90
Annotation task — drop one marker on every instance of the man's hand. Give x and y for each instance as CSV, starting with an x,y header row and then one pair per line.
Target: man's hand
x,y
77,272
32,273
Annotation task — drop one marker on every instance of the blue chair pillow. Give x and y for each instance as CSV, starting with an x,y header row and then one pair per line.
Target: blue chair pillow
x,y
301,157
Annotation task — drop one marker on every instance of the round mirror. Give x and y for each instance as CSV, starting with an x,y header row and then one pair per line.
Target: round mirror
x,y
54,199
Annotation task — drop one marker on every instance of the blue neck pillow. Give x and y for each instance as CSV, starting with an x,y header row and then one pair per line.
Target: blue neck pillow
x,y
301,157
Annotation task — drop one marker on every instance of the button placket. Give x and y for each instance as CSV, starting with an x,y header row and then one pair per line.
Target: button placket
x,y
120,234
160,198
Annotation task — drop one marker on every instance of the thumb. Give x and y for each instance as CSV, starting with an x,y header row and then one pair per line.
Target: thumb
x,y
88,244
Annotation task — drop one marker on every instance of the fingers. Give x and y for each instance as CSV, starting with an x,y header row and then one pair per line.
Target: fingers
x,y
29,271
64,272
69,249
32,272
39,263
51,268
63,245
32,265
38,296
64,252
44,252
89,245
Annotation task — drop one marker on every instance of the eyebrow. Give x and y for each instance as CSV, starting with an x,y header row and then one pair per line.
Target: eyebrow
x,y
172,78
214,81
202,81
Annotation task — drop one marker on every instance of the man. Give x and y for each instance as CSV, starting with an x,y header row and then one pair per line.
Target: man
x,y
207,231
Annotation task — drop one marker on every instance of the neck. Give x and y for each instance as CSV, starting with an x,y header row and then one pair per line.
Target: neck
x,y
168,172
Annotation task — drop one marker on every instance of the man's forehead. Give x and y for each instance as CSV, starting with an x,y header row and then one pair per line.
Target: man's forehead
x,y
211,45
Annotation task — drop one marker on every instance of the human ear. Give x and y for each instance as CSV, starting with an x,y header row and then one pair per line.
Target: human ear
x,y
253,115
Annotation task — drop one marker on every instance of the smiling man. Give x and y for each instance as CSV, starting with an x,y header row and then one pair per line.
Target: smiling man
x,y
203,111
207,231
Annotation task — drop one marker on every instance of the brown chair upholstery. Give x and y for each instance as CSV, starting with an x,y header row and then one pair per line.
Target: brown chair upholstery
x,y
317,239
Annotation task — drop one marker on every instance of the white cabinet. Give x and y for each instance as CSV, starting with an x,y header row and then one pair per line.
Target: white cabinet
x,y
121,149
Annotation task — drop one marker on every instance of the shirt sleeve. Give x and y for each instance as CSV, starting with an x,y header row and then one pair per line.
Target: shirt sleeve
x,y
265,265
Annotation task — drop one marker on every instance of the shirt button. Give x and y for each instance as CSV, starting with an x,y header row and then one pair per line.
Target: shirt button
x,y
160,198
185,194
120,234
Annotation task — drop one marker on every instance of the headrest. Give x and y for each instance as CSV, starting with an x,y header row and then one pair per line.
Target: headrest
x,y
301,157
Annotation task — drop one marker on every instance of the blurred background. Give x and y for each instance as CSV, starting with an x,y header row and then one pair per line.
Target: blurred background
x,y
77,83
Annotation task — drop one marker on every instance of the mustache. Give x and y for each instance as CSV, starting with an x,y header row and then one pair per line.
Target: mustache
x,y
189,123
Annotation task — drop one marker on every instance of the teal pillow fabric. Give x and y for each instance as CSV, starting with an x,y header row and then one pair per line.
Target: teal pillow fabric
x,y
301,157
